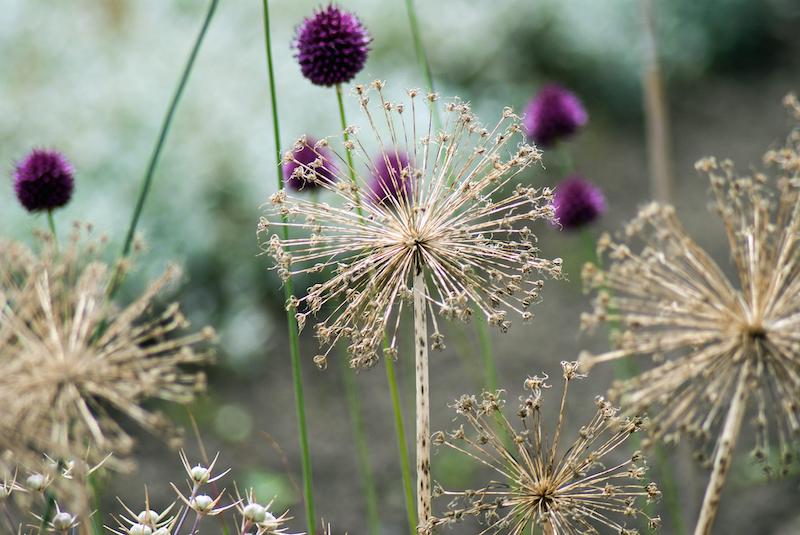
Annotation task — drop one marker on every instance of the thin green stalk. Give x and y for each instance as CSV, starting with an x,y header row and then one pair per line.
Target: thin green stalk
x,y
294,345
402,445
489,368
346,137
362,450
626,369
351,389
52,224
422,57
162,136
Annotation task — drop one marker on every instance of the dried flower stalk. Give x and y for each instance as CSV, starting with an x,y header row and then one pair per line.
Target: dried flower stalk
x,y
715,342
562,490
430,233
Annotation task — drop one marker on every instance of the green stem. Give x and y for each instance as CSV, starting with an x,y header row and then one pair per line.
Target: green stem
x,y
351,388
362,450
626,369
489,368
348,155
422,57
162,136
294,344
402,446
52,224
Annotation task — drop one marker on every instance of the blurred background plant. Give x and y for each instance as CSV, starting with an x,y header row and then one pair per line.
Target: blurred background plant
x,y
93,79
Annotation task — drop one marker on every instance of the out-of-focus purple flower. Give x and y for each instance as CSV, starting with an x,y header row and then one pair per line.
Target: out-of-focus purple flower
x,y
578,202
332,46
309,160
44,180
553,114
391,178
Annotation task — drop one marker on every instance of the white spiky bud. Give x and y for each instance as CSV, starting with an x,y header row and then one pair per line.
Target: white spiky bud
x,y
202,503
140,529
36,482
63,521
254,513
200,474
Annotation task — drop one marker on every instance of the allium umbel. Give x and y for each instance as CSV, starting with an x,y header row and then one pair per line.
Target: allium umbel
x,y
75,365
563,489
554,114
332,46
718,343
457,244
44,180
457,229
578,202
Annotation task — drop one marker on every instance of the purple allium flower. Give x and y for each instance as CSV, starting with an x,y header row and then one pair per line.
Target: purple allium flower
x,y
553,114
44,180
389,179
578,202
304,158
331,46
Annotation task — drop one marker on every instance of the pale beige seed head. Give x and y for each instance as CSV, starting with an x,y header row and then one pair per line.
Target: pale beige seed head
x,y
704,330
75,365
577,488
455,215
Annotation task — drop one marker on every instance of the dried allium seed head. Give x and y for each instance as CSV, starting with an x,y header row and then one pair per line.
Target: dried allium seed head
x,y
709,335
308,164
459,222
71,356
575,489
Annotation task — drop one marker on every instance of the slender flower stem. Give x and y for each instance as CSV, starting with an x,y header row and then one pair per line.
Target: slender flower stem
x,y
402,445
9,519
162,136
185,512
724,455
489,368
351,388
346,138
196,523
294,341
422,57
655,107
423,402
362,449
52,224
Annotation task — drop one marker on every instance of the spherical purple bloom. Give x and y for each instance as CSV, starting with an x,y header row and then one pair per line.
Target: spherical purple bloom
x,y
295,172
44,180
391,178
331,46
553,114
578,202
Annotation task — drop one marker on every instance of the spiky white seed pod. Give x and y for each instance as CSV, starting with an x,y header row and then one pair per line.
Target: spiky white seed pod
x,y
200,474
63,521
36,482
255,513
202,503
269,521
148,517
140,529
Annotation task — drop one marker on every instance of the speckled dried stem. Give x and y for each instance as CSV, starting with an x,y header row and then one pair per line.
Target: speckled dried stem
x,y
724,455
548,529
423,403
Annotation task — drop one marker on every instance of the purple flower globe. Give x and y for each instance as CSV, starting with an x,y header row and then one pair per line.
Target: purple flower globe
x,y
331,46
554,114
578,202
44,180
388,180
296,173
